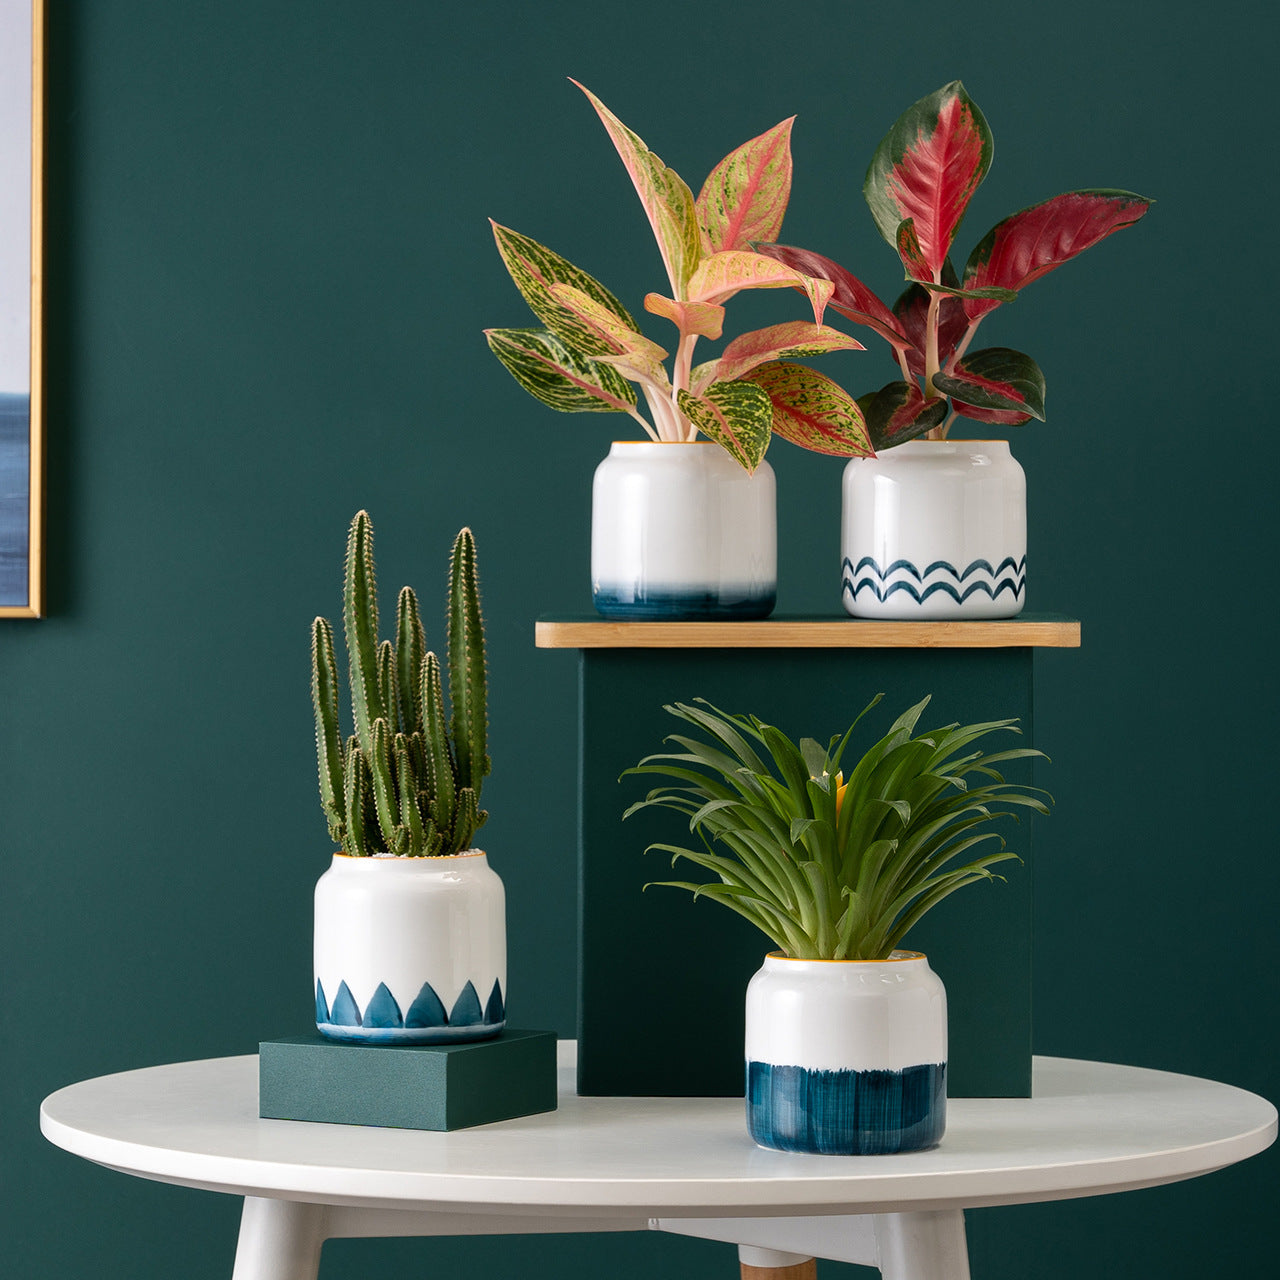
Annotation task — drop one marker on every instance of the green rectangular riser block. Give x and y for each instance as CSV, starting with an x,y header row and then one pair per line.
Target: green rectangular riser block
x,y
451,1086
662,978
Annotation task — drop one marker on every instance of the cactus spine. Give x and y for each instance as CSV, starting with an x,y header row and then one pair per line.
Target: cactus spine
x,y
408,780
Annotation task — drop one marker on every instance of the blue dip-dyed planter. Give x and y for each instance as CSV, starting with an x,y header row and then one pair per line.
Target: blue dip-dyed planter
x,y
847,1057
680,532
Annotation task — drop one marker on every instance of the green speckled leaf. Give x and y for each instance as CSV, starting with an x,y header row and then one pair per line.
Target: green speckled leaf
x,y
535,268
736,415
547,369
745,196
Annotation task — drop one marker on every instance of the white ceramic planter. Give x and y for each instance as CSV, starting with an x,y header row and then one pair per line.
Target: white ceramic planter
x,y
935,529
681,531
410,950
846,1057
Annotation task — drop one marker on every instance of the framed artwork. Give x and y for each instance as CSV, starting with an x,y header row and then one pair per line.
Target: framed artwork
x,y
21,245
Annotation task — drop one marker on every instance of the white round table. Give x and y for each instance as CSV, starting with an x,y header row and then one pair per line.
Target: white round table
x,y
673,1164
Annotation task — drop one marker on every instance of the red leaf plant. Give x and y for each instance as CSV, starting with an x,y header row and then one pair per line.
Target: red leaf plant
x,y
918,186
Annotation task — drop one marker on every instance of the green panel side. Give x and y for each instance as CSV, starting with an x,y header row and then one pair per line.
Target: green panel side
x,y
662,978
407,1086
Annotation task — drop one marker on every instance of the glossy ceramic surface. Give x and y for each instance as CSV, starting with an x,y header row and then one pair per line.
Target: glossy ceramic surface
x,y
846,1057
410,950
935,529
680,531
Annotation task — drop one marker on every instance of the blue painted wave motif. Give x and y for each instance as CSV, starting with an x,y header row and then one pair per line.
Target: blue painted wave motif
x,y
627,604
849,1113
425,1021
940,577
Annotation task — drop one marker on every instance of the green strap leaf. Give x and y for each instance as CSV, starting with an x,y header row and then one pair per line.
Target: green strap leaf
x,y
549,371
745,196
811,411
736,415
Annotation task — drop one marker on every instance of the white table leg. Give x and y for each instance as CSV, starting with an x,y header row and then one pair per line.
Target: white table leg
x,y
279,1240
922,1245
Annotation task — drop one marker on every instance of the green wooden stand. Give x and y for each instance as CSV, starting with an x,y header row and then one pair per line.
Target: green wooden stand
x,y
662,977
446,1086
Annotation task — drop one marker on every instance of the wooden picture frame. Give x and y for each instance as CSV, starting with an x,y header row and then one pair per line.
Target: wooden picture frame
x,y
21,308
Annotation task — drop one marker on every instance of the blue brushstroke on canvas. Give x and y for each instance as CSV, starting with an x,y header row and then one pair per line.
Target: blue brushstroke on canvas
x,y
15,416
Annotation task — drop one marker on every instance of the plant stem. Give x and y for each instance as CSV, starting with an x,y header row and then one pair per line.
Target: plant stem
x,y
963,345
683,370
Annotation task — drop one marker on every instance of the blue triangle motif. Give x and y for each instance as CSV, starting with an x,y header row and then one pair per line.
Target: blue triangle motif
x,y
322,1005
382,1010
426,1010
344,1012
466,1009
495,1011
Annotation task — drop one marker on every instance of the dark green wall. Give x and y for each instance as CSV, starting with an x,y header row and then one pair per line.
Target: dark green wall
x,y
269,265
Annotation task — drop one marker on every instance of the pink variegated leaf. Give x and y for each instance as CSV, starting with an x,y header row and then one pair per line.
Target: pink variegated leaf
x,y
851,298
706,319
812,411
745,196
636,351
995,378
899,412
1031,243
722,275
554,373
927,168
736,415
667,201
912,311
797,339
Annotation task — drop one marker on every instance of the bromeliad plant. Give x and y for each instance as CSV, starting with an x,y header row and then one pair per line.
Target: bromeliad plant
x,y
829,869
591,350
918,185
408,780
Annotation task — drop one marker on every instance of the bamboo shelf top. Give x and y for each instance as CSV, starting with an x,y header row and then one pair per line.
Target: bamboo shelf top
x,y
1028,630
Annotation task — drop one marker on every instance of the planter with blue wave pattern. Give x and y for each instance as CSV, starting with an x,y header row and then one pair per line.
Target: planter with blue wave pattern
x,y
410,950
681,532
935,529
847,1057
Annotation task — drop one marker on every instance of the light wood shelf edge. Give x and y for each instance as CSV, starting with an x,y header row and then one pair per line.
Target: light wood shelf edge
x,y
818,633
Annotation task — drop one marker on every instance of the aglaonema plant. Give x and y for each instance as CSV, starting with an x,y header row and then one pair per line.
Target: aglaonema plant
x,y
918,186
408,780
831,869
591,350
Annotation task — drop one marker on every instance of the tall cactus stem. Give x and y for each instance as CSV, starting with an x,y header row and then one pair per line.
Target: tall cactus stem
x,y
411,644
384,792
467,677
360,616
324,702
387,685
407,783
436,733
355,792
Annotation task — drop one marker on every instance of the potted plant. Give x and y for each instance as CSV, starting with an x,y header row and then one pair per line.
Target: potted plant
x,y
688,531
410,927
938,528
846,1040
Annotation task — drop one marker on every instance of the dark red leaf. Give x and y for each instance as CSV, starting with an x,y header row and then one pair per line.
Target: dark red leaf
x,y
1031,243
927,168
898,412
996,378
992,417
912,309
851,299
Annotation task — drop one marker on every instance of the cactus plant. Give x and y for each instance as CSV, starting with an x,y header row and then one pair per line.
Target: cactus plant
x,y
408,780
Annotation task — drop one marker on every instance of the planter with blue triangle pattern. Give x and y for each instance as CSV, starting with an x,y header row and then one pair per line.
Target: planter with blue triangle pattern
x,y
410,950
